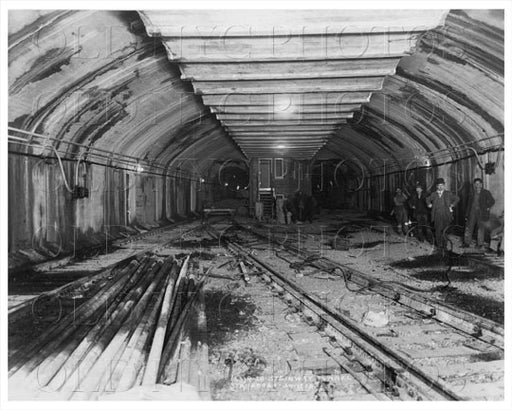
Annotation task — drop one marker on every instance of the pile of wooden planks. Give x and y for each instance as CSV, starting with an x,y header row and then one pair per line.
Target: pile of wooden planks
x,y
128,333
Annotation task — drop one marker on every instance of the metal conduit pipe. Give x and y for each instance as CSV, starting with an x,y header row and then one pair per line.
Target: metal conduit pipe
x,y
476,156
93,151
445,152
37,144
34,134
66,184
121,158
129,165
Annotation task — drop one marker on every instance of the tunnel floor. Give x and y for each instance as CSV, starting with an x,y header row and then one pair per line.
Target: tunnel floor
x,y
466,278
474,282
258,346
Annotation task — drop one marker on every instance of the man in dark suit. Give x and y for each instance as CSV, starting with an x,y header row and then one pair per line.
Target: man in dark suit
x,y
420,211
442,203
400,212
308,208
289,212
477,213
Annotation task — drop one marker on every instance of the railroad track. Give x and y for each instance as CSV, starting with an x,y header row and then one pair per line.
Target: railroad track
x,y
484,329
424,350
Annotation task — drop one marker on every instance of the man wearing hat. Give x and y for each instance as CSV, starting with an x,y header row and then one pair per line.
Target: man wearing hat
x,y
477,213
442,203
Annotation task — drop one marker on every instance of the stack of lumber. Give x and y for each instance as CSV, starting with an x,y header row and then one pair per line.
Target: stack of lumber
x,y
121,337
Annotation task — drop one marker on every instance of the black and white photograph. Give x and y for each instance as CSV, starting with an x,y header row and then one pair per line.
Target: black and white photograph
x,y
284,202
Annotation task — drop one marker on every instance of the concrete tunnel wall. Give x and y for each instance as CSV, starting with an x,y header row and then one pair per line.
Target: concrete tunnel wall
x,y
96,79
444,107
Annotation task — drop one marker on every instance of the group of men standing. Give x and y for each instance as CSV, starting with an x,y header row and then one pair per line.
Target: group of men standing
x,y
299,208
440,205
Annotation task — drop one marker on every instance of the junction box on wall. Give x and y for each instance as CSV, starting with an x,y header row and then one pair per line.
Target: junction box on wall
x,y
80,192
490,168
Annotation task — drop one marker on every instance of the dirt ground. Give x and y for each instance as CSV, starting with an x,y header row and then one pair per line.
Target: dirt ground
x,y
374,248
258,345
255,340
260,349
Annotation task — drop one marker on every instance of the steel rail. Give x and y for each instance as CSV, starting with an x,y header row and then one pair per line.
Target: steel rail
x,y
393,365
478,327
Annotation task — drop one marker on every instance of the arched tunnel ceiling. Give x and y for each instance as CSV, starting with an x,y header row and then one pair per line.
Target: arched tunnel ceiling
x,y
290,71
94,78
392,86
449,93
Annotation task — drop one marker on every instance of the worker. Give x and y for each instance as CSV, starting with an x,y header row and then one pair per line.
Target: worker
x,y
288,209
400,212
477,213
420,213
310,208
442,203
498,236
300,205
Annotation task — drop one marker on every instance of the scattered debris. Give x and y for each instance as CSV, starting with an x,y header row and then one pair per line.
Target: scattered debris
x,y
376,319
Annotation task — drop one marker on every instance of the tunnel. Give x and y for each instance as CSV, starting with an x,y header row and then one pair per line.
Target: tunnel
x,y
312,129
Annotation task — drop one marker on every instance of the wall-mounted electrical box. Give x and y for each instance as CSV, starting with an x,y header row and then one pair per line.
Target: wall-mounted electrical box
x,y
490,168
80,192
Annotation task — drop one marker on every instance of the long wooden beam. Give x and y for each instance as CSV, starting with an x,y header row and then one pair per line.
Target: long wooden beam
x,y
281,147
280,152
307,134
285,106
281,122
284,116
282,133
289,86
309,147
300,48
284,154
285,23
236,99
288,149
279,140
371,67
276,142
297,134
275,150
297,117
302,157
281,136
283,128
